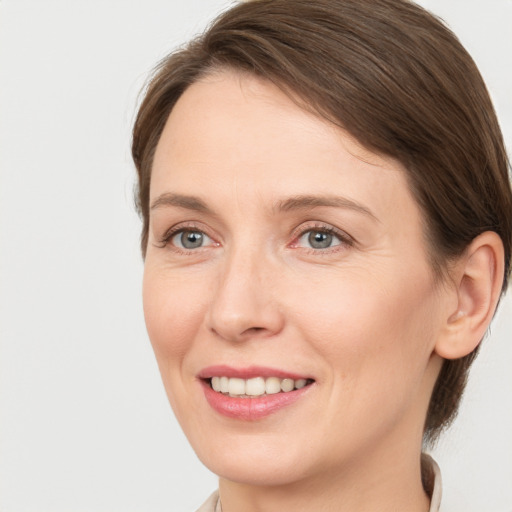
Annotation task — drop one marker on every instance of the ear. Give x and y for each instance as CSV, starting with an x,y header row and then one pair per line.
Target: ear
x,y
478,279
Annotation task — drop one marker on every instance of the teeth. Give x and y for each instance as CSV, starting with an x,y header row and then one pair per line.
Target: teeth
x,y
236,387
224,385
256,386
272,385
287,385
216,383
300,383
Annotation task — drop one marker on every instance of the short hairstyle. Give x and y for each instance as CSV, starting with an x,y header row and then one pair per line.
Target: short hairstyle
x,y
397,79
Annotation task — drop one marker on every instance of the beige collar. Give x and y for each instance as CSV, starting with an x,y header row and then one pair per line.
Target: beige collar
x,y
435,497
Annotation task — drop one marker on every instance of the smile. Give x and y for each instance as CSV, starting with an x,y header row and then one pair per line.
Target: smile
x,y
256,386
253,393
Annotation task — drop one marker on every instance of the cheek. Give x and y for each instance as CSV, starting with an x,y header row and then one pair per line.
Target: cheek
x,y
370,326
173,312
373,338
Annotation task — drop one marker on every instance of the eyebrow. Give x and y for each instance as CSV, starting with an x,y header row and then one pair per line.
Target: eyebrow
x,y
181,201
303,202
300,202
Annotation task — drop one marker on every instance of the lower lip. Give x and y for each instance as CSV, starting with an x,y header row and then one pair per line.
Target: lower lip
x,y
250,409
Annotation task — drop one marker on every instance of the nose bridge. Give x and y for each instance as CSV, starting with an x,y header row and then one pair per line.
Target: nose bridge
x,y
244,302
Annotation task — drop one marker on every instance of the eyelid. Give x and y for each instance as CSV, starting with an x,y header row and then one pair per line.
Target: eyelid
x,y
165,239
344,237
175,239
297,233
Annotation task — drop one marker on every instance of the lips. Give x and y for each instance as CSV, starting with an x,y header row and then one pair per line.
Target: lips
x,y
251,393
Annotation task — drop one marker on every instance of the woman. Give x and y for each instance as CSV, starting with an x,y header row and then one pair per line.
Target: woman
x,y
327,233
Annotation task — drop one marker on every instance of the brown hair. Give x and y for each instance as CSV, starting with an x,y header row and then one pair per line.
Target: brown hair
x,y
397,79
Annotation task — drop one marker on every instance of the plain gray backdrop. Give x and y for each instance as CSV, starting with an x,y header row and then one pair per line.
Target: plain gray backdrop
x,y
84,421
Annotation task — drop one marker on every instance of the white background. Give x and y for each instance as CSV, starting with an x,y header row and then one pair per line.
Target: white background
x,y
84,422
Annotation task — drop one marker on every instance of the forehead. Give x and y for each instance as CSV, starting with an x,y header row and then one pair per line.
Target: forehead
x,y
232,131
225,91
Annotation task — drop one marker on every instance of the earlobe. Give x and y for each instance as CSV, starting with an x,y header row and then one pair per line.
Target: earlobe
x,y
478,281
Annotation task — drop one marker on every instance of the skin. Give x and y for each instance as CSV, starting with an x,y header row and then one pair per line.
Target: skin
x,y
362,317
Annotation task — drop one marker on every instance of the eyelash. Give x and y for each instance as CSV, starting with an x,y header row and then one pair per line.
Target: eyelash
x,y
181,228
344,239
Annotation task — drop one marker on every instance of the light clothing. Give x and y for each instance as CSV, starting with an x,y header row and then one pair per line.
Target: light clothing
x,y
436,495
212,504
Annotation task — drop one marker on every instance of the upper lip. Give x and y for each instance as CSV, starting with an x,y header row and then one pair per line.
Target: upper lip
x,y
248,372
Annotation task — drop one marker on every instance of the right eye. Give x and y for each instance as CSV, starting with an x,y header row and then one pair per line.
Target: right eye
x,y
319,239
190,239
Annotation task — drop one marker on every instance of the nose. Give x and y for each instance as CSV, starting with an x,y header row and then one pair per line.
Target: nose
x,y
244,302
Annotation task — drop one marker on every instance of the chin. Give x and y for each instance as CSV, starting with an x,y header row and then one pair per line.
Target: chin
x,y
254,460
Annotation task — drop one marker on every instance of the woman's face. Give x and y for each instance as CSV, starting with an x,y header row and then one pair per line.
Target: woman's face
x,y
282,254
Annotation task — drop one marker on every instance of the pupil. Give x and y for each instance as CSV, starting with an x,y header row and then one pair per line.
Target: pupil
x,y
320,240
191,239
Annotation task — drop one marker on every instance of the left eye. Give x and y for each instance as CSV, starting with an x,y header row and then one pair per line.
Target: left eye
x,y
190,239
319,239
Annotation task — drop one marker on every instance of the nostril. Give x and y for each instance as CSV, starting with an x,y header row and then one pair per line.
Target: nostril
x,y
253,331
